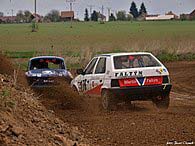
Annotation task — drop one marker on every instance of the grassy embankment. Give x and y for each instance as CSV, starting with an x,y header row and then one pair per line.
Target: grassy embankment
x,y
169,40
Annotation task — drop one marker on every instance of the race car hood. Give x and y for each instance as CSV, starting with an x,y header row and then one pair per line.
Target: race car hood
x,y
140,72
47,73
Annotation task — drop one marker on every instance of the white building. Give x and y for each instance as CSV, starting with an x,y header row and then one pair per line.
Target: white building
x,y
160,17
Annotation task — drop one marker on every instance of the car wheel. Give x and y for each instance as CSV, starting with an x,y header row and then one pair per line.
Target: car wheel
x,y
128,103
162,102
108,101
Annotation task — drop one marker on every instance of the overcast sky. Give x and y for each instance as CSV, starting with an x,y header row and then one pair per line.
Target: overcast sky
x,y
44,6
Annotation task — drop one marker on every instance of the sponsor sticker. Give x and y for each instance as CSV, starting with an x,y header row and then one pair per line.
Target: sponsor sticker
x,y
141,81
161,70
129,74
153,81
131,82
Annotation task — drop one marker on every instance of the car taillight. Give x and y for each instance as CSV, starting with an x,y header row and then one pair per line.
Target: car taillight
x,y
165,79
114,83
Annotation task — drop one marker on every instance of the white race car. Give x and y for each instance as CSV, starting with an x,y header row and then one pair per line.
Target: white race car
x,y
127,77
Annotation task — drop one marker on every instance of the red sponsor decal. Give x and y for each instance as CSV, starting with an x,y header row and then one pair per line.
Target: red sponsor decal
x,y
128,82
94,91
153,81
131,57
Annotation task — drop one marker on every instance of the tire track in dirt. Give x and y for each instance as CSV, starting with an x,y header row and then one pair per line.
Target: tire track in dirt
x,y
140,124
182,76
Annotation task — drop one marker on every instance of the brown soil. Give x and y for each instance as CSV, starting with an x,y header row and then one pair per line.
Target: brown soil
x,y
183,76
139,124
24,120
7,68
142,123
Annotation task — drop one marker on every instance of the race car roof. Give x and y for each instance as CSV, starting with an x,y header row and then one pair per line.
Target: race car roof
x,y
127,53
44,57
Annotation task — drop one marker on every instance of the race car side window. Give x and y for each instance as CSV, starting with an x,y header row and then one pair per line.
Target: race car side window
x,y
101,66
90,67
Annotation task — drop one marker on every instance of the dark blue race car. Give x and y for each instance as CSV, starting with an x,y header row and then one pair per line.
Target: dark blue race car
x,y
44,71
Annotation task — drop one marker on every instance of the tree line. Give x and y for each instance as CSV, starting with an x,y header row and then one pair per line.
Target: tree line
x,y
120,15
54,15
27,17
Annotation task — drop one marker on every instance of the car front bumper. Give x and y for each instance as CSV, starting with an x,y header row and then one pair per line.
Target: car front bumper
x,y
142,92
44,82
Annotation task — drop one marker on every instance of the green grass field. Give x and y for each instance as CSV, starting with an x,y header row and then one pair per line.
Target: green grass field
x,y
86,39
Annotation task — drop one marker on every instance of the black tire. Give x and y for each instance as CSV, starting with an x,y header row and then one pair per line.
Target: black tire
x,y
162,102
129,104
108,101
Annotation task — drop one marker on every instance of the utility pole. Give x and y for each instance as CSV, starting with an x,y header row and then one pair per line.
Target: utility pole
x,y
35,8
102,10
90,10
109,11
70,6
71,9
12,12
34,21
12,15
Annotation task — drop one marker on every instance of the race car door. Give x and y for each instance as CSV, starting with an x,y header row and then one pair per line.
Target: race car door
x,y
86,79
98,78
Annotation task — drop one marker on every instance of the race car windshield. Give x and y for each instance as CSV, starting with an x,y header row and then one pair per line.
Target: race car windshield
x,y
135,61
47,63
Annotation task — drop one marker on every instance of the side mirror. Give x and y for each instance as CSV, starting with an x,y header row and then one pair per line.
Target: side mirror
x,y
80,72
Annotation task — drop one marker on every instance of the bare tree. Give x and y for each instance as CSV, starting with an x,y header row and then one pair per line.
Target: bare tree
x,y
27,16
20,16
53,16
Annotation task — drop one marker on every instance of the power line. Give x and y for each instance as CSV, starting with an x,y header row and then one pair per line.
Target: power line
x,y
71,3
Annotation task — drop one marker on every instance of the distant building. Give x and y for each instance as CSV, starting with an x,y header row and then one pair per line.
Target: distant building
x,y
168,16
172,14
190,16
101,17
153,15
159,17
185,16
8,19
67,15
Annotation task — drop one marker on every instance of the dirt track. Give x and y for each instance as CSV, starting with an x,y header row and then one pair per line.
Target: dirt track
x,y
141,124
